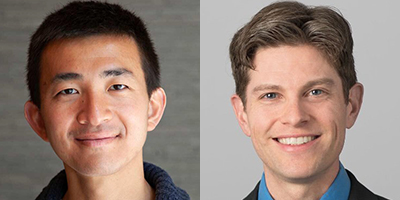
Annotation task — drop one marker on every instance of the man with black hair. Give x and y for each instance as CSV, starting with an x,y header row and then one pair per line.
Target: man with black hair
x,y
93,78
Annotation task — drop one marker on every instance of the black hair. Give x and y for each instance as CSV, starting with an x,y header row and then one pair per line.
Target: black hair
x,y
83,19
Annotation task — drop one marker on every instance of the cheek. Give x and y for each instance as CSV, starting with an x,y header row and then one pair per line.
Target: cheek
x,y
134,116
57,128
336,116
332,121
262,120
261,133
261,125
135,135
58,120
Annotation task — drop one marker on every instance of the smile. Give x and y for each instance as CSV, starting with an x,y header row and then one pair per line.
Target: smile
x,y
96,141
296,140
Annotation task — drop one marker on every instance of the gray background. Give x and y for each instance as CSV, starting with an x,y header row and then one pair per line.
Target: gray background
x,y
27,163
230,167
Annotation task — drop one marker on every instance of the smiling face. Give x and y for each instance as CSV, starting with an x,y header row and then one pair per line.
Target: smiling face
x,y
95,110
296,113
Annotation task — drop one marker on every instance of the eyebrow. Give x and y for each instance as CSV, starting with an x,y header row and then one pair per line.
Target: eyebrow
x,y
75,76
266,87
322,81
116,72
67,76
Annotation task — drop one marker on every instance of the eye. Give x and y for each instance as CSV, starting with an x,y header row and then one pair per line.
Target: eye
x,y
270,96
68,91
118,87
316,92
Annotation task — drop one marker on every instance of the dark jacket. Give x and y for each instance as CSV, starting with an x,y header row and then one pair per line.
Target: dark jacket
x,y
357,191
155,176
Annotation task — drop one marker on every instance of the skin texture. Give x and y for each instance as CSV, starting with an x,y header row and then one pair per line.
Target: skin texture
x,y
96,113
293,92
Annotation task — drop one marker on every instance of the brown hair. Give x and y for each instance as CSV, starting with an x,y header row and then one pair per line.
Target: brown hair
x,y
293,23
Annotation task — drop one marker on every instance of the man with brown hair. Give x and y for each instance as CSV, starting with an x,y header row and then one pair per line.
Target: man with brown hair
x,y
296,94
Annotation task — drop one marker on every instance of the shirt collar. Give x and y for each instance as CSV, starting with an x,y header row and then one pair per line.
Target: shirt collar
x,y
263,193
340,188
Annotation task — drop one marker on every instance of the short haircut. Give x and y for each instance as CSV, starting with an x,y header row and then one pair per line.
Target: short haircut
x,y
293,23
83,19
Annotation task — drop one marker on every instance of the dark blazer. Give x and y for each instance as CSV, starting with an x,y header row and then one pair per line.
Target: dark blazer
x,y
357,191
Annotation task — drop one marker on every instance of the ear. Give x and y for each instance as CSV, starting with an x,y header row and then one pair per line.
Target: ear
x,y
157,104
34,118
240,113
354,105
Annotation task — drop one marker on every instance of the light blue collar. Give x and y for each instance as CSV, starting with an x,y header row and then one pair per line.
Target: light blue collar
x,y
340,188
263,193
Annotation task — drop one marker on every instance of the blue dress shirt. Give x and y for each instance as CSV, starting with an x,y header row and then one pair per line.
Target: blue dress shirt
x,y
340,188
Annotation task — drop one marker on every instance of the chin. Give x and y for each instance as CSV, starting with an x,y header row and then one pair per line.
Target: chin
x,y
297,177
101,163
96,167
293,172
300,176
103,169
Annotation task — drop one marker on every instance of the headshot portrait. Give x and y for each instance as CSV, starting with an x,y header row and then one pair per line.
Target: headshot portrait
x,y
295,87
111,93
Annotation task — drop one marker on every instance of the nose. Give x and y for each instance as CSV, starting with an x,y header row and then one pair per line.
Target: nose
x,y
95,110
295,114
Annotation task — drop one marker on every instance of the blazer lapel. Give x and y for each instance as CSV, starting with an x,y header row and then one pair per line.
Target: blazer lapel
x,y
253,194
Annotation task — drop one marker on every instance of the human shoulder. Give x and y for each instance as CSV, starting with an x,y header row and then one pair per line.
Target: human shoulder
x,y
253,194
160,180
56,189
359,192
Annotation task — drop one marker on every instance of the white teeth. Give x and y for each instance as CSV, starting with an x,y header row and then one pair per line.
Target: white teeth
x,y
296,141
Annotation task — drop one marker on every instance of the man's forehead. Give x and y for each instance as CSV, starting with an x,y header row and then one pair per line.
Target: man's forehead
x,y
292,56
297,65
105,40
102,56
83,48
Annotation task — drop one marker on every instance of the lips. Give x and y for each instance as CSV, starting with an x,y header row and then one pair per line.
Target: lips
x,y
96,140
96,136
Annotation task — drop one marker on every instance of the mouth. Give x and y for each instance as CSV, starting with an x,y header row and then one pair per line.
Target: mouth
x,y
293,141
98,138
96,141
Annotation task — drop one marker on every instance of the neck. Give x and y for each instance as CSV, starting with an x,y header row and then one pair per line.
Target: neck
x,y
308,188
127,183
